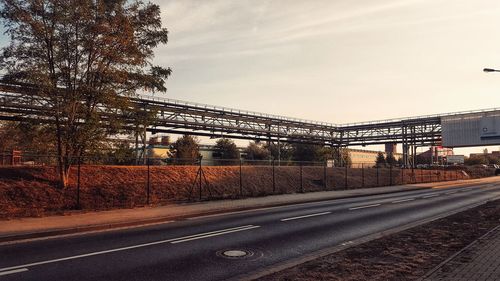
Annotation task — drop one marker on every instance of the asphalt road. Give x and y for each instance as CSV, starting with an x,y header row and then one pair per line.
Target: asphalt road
x,y
192,249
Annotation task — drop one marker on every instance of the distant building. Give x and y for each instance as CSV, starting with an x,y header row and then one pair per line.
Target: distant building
x,y
435,155
391,148
161,148
494,154
367,157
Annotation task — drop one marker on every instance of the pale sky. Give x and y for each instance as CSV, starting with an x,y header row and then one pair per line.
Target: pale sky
x,y
338,61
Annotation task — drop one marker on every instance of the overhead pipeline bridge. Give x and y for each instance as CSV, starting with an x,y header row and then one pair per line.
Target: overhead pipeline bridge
x,y
181,117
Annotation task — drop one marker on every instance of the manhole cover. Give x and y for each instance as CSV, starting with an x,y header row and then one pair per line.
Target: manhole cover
x,y
235,253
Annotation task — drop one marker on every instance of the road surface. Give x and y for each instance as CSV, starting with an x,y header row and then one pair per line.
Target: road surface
x,y
194,249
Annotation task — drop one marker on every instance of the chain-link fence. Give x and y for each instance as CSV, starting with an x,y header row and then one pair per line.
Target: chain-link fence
x,y
110,182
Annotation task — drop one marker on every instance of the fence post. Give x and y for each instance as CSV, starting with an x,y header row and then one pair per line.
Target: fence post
x,y
301,183
402,175
148,187
78,184
390,174
199,185
241,179
345,183
274,178
362,175
324,175
378,184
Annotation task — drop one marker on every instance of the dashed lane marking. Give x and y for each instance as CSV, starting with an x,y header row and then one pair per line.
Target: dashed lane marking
x,y
364,207
306,216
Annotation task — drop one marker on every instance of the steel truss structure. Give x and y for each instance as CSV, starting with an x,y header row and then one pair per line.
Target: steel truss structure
x,y
181,117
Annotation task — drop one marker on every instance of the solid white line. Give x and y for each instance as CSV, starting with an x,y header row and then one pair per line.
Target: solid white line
x,y
451,192
122,248
13,271
306,216
214,234
430,196
363,207
402,200
210,232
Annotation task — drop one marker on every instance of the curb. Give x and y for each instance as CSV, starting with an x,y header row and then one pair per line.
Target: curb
x,y
137,223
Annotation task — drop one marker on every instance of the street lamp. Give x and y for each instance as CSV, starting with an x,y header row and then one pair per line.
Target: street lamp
x,y
491,70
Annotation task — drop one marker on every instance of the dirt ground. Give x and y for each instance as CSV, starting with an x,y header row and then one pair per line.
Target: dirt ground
x,y
32,191
407,255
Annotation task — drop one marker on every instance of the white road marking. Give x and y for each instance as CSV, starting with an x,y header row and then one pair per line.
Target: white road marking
x,y
205,234
13,271
214,234
306,216
451,192
430,196
402,200
363,207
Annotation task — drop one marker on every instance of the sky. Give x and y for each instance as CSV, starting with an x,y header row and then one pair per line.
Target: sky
x,y
338,61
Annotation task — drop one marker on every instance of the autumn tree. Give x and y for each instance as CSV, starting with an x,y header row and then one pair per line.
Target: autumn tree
x,y
256,151
186,147
380,161
282,151
83,59
390,159
305,152
226,149
29,137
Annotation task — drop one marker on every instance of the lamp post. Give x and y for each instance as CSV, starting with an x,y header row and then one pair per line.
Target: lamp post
x,y
490,70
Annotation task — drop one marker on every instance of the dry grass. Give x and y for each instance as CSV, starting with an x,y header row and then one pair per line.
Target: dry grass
x,y
31,191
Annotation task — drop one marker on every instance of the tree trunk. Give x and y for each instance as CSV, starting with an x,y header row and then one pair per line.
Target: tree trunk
x,y
64,175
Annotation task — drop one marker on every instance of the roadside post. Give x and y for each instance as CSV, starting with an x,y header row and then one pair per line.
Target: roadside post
x,y
148,185
274,178
301,179
402,175
199,185
390,174
241,179
78,184
362,175
346,170
324,175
